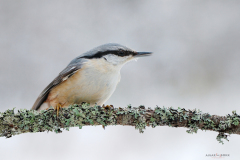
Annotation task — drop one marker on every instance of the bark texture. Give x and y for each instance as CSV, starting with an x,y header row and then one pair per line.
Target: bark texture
x,y
24,121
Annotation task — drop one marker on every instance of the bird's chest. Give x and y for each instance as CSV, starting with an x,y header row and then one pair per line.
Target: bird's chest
x,y
94,81
92,84
89,84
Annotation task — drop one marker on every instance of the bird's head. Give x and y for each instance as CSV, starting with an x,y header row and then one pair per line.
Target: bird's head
x,y
114,54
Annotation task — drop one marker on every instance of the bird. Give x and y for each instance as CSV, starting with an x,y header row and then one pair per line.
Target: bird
x,y
91,77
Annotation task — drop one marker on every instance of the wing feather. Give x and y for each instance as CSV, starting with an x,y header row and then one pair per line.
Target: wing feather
x,y
72,68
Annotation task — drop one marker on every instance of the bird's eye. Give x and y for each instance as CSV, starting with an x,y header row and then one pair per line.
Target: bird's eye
x,y
121,53
105,58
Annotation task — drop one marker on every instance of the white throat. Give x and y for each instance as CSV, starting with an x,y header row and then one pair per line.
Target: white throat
x,y
116,60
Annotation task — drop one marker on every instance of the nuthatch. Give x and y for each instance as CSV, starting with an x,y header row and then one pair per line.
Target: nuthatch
x,y
91,77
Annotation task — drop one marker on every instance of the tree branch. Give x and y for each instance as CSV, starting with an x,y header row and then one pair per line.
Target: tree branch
x,y
83,115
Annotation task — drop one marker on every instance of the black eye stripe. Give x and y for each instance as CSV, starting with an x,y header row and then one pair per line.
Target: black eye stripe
x,y
120,53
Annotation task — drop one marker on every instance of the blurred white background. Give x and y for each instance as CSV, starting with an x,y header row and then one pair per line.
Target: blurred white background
x,y
196,64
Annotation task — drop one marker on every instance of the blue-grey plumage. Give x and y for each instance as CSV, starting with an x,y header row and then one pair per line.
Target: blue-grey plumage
x,y
91,77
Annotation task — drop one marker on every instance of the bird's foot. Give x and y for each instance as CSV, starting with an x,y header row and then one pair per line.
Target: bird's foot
x,y
107,106
58,108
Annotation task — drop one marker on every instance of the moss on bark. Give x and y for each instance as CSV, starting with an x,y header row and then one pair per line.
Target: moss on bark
x,y
24,121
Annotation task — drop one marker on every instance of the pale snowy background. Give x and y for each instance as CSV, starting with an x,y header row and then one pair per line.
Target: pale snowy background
x,y
196,64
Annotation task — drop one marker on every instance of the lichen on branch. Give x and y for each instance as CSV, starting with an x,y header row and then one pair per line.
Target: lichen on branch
x,y
24,121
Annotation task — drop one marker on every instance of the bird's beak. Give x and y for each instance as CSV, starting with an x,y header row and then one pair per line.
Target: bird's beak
x,y
142,54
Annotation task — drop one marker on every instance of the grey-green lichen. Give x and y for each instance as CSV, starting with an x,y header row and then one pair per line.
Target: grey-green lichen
x,y
24,121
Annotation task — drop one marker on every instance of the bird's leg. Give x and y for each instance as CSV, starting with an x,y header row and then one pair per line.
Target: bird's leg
x,y
58,108
107,107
